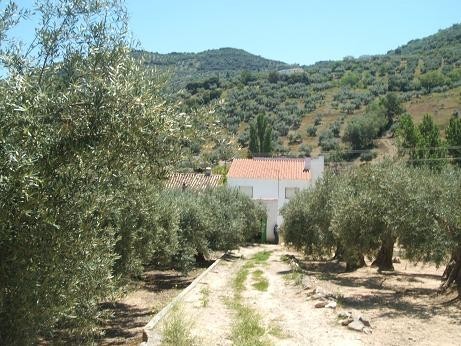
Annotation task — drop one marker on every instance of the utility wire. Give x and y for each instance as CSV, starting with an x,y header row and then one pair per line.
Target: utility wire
x,y
345,162
357,151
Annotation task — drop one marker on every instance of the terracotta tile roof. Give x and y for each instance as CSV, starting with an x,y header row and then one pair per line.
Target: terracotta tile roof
x,y
193,181
268,168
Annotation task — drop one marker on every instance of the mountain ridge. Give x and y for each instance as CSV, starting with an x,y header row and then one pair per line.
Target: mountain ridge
x,y
243,60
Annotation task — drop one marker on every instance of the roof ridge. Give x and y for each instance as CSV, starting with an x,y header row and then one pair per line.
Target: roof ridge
x,y
272,159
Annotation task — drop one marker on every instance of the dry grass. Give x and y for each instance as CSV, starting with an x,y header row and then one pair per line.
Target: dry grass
x,y
248,328
176,330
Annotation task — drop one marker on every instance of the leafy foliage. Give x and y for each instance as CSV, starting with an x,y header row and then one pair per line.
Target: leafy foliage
x,y
373,206
196,223
307,219
453,133
361,132
423,142
85,141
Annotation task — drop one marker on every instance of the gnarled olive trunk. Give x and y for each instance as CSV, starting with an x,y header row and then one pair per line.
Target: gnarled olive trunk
x,y
384,259
200,258
355,262
339,253
452,275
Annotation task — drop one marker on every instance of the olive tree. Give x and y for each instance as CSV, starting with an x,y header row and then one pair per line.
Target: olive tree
x,y
429,227
366,209
84,137
307,218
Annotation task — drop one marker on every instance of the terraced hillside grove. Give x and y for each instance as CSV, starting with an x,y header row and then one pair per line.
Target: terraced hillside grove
x,y
313,109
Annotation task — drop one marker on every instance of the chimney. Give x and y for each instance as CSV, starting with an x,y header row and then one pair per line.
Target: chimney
x,y
207,171
307,164
317,166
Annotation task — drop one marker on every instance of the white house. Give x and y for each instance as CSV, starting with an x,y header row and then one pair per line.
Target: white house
x,y
274,181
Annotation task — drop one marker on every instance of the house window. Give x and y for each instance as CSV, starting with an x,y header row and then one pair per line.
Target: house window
x,y
246,190
290,192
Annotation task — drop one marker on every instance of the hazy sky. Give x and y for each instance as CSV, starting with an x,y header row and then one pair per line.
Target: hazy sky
x,y
292,31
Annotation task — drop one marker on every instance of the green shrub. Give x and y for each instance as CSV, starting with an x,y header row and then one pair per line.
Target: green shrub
x,y
312,131
368,155
327,141
307,218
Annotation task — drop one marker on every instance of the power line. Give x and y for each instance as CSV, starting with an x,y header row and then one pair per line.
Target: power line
x,y
358,151
436,159
345,162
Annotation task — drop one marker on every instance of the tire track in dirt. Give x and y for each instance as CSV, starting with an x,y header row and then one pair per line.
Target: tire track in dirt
x,y
205,305
285,308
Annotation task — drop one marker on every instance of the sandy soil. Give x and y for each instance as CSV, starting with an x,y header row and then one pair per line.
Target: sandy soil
x,y
402,305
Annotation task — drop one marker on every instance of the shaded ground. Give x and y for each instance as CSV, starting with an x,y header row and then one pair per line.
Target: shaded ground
x,y
130,314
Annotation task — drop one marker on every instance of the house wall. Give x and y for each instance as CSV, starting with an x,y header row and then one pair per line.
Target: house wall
x,y
269,189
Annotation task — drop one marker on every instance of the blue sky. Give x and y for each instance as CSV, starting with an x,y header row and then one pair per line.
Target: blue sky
x,y
292,31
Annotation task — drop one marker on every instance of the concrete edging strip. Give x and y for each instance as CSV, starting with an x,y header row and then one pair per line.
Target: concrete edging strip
x,y
149,327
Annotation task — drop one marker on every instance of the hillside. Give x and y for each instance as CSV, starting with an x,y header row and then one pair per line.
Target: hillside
x,y
310,107
216,62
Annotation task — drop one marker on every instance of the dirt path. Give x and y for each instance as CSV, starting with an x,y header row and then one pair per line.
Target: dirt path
x,y
401,305
212,322
285,306
282,306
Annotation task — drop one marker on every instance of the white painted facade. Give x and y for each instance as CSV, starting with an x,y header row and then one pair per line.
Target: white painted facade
x,y
272,192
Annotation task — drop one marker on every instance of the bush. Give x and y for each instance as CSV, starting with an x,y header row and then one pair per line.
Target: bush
x,y
189,224
368,208
312,131
350,79
368,156
318,120
327,141
305,150
237,222
294,138
361,131
433,79
335,128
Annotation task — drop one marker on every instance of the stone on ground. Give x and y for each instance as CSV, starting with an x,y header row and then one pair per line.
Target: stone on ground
x,y
356,325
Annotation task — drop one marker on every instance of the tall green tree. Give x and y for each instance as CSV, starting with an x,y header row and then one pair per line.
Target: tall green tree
x,y
407,133
430,150
392,107
453,135
422,143
253,145
260,136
